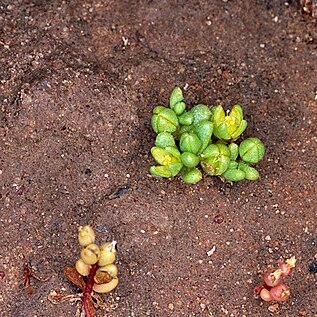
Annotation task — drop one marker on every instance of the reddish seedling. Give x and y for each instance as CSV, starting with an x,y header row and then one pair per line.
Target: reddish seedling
x,y
29,273
273,287
94,272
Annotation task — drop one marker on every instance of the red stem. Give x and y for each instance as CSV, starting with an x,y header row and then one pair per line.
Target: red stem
x,y
88,289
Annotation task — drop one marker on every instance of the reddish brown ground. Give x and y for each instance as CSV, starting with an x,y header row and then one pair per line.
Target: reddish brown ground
x,y
78,82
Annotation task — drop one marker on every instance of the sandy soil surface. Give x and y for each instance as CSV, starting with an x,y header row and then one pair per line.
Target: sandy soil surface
x,y
78,82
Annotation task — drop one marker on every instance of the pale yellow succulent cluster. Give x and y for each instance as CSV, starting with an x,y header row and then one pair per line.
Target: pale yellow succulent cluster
x,y
104,256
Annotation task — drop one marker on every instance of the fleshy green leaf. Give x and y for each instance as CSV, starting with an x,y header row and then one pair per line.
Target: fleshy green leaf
x,y
243,125
234,151
218,115
234,175
200,113
221,132
204,129
174,168
176,97
164,139
250,172
192,176
187,118
161,171
189,159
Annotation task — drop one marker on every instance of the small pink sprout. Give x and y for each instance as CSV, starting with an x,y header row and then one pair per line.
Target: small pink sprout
x,y
273,287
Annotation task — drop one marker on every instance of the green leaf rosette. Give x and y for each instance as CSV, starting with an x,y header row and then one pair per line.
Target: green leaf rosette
x,y
215,159
164,120
230,126
251,150
169,161
190,142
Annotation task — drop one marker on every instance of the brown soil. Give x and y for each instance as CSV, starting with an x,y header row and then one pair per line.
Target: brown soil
x,y
78,82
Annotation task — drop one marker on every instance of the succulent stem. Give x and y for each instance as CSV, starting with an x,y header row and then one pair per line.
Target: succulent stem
x,y
88,289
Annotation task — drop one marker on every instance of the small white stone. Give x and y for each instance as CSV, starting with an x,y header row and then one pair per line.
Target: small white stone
x,y
211,251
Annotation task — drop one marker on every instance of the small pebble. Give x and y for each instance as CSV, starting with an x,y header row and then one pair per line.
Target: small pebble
x,y
218,219
312,268
87,171
274,308
102,228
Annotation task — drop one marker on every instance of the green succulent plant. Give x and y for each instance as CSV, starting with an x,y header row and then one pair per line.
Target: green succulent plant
x,y
251,150
164,120
169,160
202,138
228,126
215,159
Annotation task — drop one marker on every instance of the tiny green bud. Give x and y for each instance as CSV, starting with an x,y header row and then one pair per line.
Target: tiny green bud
x,y
251,150
179,108
233,165
164,139
187,118
250,172
189,142
164,120
176,101
233,175
192,176
234,151
200,112
189,159
182,130
176,97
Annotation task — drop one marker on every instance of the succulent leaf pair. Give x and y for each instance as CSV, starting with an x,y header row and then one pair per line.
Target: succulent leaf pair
x,y
202,137
230,126
169,160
